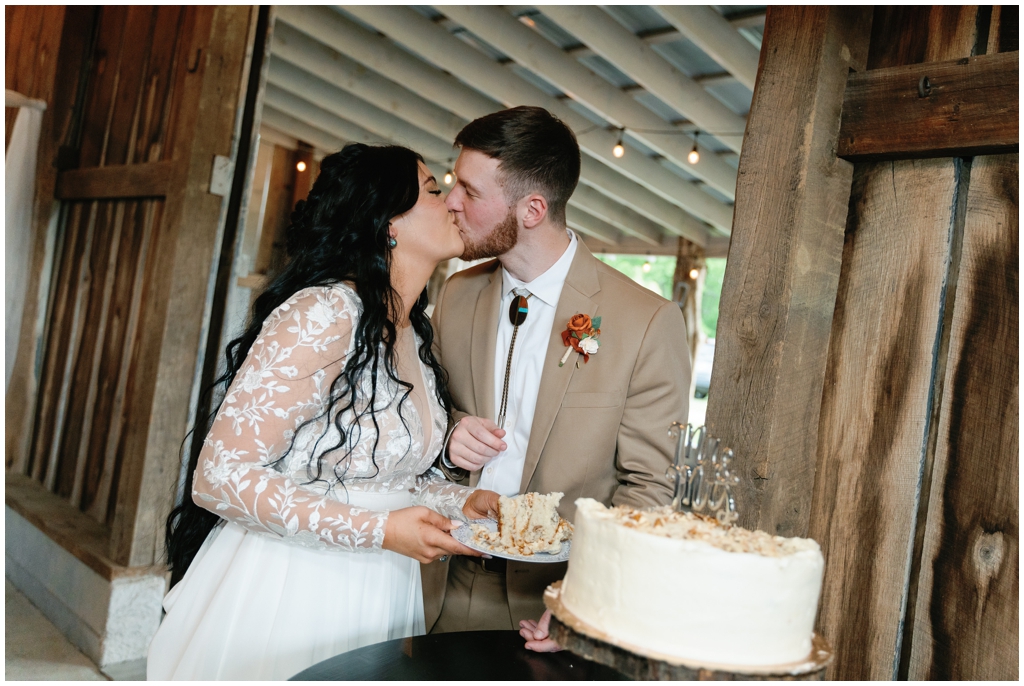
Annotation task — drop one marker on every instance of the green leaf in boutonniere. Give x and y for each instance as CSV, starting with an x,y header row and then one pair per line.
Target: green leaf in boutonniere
x,y
596,323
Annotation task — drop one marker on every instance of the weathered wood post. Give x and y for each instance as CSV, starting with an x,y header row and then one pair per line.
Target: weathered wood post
x,y
783,271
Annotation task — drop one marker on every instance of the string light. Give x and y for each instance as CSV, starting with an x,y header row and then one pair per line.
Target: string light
x,y
694,274
694,156
646,267
619,150
448,178
301,166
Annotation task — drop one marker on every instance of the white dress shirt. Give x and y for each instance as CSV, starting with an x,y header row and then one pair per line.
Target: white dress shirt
x,y
504,472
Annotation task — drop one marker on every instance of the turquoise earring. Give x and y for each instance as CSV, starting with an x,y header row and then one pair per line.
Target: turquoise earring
x,y
392,242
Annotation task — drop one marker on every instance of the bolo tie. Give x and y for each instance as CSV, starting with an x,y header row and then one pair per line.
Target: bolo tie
x,y
517,312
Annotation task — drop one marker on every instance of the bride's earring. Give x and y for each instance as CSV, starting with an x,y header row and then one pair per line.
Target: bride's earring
x,y
392,242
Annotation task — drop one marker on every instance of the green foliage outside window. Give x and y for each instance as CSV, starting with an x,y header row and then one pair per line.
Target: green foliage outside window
x,y
658,278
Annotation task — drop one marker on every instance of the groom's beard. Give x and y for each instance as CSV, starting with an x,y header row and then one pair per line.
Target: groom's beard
x,y
499,242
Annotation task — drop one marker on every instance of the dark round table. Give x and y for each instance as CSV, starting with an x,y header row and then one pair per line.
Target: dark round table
x,y
463,656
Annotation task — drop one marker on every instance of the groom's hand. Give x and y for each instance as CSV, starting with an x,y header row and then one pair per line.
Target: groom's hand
x,y
536,634
475,442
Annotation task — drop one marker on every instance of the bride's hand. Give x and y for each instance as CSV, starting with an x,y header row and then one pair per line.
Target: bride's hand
x,y
422,534
481,505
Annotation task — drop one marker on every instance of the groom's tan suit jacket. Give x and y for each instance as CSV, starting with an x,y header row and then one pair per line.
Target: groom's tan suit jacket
x,y
599,431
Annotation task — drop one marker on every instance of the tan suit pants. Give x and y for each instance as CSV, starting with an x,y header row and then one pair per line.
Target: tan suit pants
x,y
475,600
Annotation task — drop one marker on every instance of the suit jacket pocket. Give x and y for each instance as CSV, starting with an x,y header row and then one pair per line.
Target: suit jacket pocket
x,y
580,399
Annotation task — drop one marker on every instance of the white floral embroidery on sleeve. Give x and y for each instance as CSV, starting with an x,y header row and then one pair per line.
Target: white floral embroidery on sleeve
x,y
282,383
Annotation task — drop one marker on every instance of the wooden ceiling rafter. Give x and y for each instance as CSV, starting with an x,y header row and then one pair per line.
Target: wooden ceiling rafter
x,y
642,64
547,60
713,33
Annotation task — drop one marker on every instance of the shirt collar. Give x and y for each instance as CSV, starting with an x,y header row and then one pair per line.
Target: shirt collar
x,y
548,286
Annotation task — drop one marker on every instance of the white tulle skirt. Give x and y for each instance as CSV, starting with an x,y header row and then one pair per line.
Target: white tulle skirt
x,y
255,607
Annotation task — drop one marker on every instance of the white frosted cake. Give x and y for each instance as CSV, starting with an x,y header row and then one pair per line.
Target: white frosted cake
x,y
685,586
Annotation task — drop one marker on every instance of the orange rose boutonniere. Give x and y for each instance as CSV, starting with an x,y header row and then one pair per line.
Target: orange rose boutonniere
x,y
581,334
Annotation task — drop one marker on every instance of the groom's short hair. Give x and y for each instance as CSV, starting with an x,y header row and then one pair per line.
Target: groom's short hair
x,y
536,151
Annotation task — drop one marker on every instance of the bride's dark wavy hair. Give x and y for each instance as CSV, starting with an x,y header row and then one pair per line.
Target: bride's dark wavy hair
x,y
339,233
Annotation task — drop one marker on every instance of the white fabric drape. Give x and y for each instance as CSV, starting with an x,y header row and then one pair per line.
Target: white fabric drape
x,y
20,170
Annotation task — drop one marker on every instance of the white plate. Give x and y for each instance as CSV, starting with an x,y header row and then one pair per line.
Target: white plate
x,y
464,535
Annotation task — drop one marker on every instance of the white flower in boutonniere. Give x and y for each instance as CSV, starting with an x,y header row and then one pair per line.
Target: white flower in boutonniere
x,y
581,334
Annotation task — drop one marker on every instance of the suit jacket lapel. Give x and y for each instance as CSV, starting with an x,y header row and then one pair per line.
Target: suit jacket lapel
x,y
580,284
481,354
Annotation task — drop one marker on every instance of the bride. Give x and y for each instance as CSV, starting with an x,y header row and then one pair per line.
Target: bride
x,y
313,500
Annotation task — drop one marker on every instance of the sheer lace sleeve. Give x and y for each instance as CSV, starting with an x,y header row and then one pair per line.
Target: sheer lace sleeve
x,y
284,381
440,495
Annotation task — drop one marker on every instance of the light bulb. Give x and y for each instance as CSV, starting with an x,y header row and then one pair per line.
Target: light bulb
x,y
619,150
694,156
647,266
301,166
694,273
448,178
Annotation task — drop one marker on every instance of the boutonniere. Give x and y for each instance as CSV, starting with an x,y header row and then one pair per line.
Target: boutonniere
x,y
581,334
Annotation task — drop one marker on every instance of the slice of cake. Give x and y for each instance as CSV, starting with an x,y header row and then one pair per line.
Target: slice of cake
x,y
686,586
527,524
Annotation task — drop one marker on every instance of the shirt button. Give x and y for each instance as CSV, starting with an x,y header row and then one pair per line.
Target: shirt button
x,y
490,469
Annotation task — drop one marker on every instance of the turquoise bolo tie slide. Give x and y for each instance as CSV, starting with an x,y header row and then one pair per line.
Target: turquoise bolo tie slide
x,y
518,310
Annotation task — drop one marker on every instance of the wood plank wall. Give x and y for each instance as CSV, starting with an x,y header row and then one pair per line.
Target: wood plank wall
x,y
896,347
73,31
104,254
107,407
970,567
868,379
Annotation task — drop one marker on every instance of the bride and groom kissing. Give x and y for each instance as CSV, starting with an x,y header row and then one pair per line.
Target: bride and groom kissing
x,y
355,433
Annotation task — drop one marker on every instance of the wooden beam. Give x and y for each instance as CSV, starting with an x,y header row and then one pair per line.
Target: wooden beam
x,y
292,81
384,57
147,180
289,126
969,107
784,262
713,34
578,219
345,74
634,196
641,63
625,219
71,529
670,34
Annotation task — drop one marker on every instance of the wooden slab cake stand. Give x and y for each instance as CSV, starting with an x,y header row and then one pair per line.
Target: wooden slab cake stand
x,y
646,665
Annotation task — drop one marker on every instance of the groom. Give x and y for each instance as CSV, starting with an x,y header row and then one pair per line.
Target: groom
x,y
593,427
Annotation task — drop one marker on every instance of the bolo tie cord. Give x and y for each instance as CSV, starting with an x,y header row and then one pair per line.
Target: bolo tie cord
x,y
517,312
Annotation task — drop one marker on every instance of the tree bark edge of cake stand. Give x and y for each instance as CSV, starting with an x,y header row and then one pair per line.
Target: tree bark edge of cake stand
x,y
642,668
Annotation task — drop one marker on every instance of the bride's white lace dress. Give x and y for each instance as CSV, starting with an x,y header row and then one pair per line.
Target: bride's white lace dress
x,y
296,572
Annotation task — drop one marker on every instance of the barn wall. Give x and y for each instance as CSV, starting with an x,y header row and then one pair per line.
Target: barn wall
x,y
146,99
869,383
106,257
885,385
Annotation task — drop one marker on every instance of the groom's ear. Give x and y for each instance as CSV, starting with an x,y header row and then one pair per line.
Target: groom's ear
x,y
534,208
